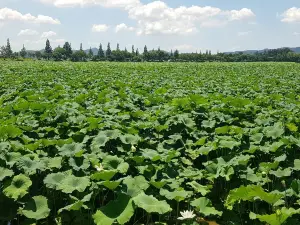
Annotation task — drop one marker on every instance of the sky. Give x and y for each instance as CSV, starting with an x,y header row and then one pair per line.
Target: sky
x,y
186,25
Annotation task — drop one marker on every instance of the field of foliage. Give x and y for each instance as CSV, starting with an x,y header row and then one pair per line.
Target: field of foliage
x,y
139,143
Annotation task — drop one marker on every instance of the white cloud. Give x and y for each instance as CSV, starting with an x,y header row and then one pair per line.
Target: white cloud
x,y
291,15
105,3
100,28
48,34
242,14
123,27
296,33
158,18
7,14
28,32
244,33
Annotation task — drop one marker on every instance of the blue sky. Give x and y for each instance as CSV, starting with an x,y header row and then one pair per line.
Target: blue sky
x,y
188,25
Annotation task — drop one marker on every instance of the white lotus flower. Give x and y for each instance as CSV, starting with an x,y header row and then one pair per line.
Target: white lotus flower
x,y
133,148
99,168
186,215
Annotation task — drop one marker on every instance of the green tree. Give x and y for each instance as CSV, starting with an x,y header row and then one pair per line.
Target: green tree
x,y
118,47
23,52
171,54
7,50
80,47
108,51
48,50
146,53
101,54
68,49
38,54
59,54
78,56
91,54
137,53
2,51
176,54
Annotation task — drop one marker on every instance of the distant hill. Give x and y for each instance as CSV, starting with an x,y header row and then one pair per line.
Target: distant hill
x,y
94,50
296,50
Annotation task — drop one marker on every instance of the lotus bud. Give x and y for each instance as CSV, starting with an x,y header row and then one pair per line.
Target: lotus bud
x,y
283,184
278,212
133,148
99,168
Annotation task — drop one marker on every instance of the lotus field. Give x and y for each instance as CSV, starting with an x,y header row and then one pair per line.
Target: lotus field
x,y
149,143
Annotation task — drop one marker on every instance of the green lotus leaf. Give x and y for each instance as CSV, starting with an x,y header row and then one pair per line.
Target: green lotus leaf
x,y
295,185
99,141
151,154
135,185
204,206
104,175
175,137
115,163
201,141
209,123
72,183
282,172
178,196
277,218
204,190
79,163
228,144
11,158
274,146
52,163
129,139
275,131
73,207
292,127
112,134
121,210
112,185
10,131
37,208
77,205
66,183
29,166
266,166
70,150
158,184
4,146
19,187
281,158
5,173
297,164
187,121
222,130
257,138
54,180
240,160
150,204
251,193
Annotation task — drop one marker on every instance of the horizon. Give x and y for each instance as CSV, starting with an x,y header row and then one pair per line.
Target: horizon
x,y
188,26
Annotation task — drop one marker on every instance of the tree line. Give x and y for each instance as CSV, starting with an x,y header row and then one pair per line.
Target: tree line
x,y
67,53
